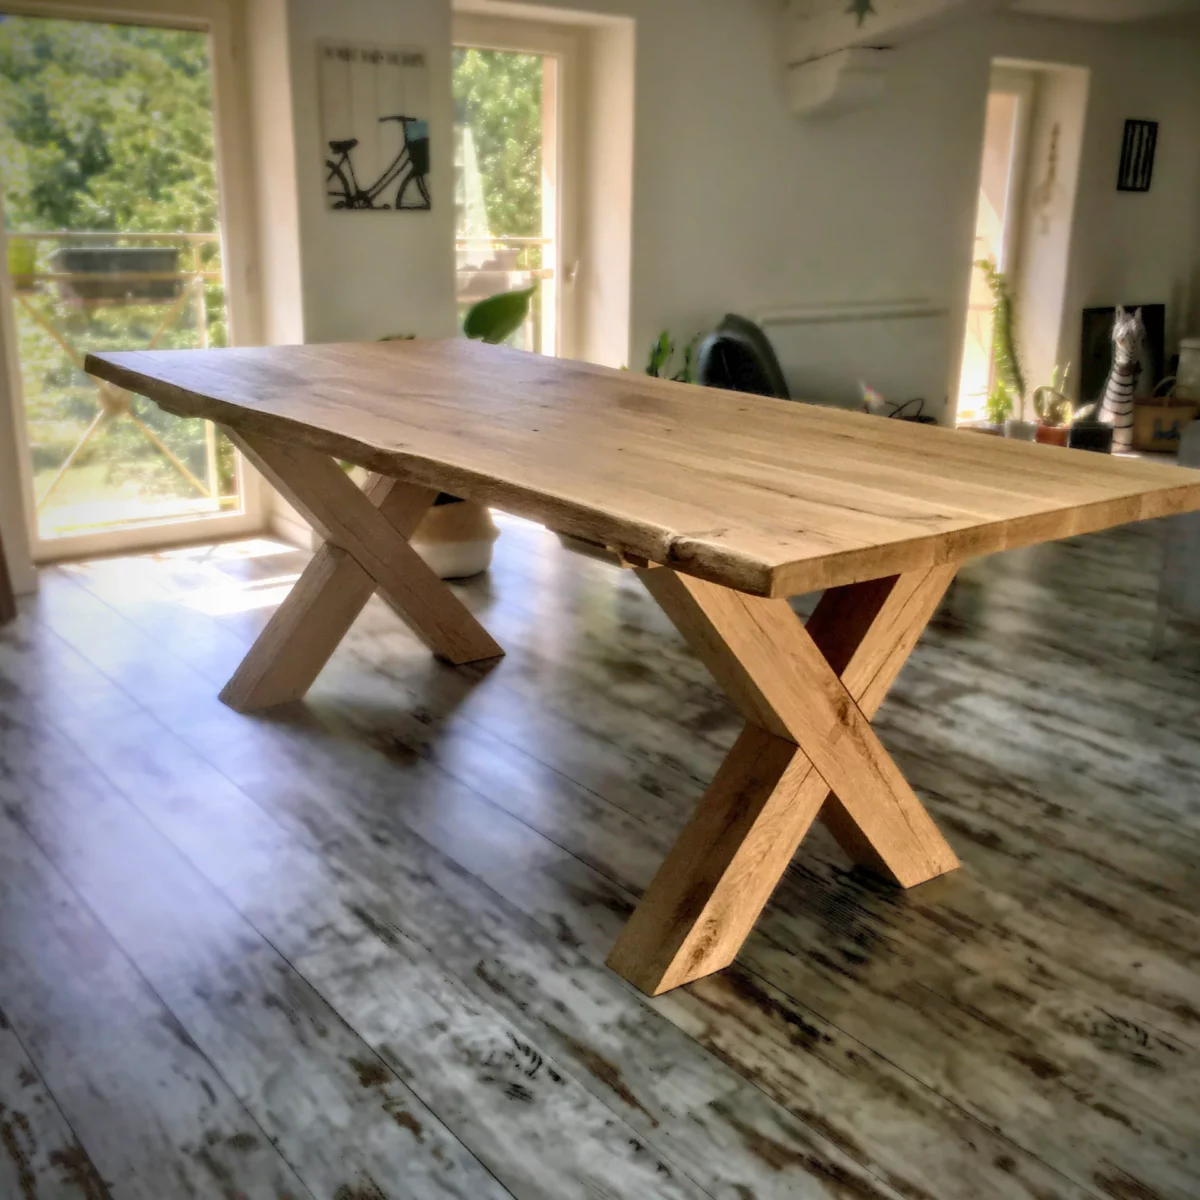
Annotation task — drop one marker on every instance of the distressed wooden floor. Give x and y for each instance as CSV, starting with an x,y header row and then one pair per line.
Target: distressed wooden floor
x,y
354,951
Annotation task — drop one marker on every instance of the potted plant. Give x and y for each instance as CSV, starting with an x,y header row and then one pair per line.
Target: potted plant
x,y
1009,376
456,537
1054,410
663,352
999,409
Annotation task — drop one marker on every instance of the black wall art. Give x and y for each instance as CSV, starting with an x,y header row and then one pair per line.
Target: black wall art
x,y
375,127
1137,156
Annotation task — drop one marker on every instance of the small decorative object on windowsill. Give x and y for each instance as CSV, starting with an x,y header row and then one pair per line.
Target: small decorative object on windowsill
x,y
1116,403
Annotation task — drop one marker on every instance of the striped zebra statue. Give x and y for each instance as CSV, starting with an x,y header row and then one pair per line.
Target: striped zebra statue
x,y
1116,408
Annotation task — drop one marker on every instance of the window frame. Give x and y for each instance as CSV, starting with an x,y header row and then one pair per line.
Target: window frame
x,y
221,21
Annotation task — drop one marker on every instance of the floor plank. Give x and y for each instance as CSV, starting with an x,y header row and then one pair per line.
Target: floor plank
x,y
152,1114
405,895
320,1094
40,1157
439,859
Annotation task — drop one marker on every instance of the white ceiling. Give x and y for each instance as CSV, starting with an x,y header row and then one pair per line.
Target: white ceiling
x,y
1108,10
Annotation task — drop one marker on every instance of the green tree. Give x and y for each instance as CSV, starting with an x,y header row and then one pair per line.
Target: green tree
x,y
498,96
105,127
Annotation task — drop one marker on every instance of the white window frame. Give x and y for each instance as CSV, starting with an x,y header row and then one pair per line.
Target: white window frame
x,y
1015,81
1021,83
562,43
221,20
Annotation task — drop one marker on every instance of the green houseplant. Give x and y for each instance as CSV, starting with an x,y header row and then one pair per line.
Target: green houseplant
x,y
1010,377
662,355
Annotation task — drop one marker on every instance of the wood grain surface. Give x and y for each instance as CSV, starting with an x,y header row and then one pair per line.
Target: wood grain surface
x,y
760,495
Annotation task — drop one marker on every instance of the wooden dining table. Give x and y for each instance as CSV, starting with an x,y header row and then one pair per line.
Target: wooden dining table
x,y
724,504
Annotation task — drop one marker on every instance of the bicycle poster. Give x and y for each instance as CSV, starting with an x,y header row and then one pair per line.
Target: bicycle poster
x,y
374,126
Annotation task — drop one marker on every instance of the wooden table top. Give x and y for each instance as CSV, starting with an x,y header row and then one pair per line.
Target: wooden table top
x,y
765,496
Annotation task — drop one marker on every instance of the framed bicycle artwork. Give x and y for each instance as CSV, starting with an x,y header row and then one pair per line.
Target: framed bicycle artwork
x,y
375,126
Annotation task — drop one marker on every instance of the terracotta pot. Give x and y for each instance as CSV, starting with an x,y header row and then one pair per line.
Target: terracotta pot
x,y
1053,435
456,540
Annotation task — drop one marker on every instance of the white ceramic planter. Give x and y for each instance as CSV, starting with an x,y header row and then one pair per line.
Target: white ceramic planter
x,y
456,540
1021,431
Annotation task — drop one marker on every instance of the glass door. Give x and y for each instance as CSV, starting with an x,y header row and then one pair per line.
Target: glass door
x,y
108,171
510,204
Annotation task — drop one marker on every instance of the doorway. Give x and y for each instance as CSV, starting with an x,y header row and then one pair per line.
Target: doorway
x,y
514,193
1010,106
112,214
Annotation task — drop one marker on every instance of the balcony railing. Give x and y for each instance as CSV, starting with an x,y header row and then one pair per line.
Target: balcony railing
x,y
488,265
100,290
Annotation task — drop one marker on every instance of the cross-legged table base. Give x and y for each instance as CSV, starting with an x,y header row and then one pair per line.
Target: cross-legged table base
x,y
808,694
808,750
366,549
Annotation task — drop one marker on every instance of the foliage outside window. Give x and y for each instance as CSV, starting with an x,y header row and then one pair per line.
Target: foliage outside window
x,y
108,128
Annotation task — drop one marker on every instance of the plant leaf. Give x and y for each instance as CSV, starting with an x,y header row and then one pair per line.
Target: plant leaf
x,y
497,318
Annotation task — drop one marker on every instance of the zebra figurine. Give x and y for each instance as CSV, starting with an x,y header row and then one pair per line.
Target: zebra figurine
x,y
1116,407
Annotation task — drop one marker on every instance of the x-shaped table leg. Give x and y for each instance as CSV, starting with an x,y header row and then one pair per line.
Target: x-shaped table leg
x,y
808,694
366,549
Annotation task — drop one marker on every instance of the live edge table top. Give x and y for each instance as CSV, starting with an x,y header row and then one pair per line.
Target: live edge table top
x,y
763,496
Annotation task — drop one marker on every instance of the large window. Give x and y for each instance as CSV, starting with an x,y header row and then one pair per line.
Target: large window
x,y
111,212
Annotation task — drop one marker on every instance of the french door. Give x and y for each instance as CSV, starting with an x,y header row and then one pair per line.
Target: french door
x,y
116,231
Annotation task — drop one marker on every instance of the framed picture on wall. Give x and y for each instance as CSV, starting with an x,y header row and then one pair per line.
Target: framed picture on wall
x,y
1137,156
374,103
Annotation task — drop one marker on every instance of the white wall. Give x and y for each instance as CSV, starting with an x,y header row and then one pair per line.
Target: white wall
x,y
740,205
1043,271
370,274
276,180
604,283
